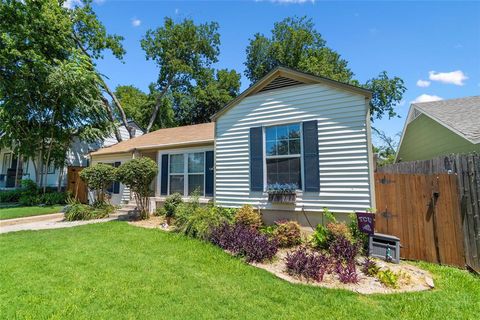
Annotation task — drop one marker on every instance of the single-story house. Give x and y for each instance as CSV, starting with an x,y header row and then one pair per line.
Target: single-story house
x,y
439,128
77,156
289,127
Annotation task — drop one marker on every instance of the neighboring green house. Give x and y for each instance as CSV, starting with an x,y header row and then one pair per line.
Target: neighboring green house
x,y
439,128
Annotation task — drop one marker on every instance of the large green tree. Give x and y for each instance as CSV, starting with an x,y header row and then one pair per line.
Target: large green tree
x,y
184,53
295,43
49,90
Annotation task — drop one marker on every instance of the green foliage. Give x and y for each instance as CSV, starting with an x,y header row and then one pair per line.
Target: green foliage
x,y
388,278
78,211
358,236
287,233
184,53
248,216
98,178
171,204
138,174
295,43
136,104
320,237
10,195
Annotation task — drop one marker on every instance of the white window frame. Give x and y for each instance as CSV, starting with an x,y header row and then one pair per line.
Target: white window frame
x,y
265,157
185,171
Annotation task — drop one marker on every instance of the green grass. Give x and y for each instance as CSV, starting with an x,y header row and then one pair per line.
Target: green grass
x,y
117,271
18,212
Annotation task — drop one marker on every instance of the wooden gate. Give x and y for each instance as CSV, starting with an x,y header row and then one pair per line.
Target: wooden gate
x,y
76,185
423,210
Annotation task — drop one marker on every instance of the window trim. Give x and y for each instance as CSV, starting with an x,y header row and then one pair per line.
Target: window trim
x,y
265,157
5,168
185,171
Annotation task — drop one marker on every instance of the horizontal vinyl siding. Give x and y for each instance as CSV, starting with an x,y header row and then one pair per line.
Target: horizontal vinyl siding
x,y
343,151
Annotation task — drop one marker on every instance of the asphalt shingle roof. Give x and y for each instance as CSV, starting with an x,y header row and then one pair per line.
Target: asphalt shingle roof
x,y
459,115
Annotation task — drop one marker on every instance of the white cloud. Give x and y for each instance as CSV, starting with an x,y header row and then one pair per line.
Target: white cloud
x,y
423,83
70,4
454,77
426,98
136,22
177,11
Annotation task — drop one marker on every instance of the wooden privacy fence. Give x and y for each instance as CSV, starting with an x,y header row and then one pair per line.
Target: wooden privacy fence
x,y
75,184
433,206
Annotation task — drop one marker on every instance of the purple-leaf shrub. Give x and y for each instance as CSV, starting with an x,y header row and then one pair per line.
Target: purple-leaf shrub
x,y
309,265
343,251
244,240
369,267
347,273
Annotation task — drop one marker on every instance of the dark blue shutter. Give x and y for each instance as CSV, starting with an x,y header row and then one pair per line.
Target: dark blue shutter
x,y
209,174
116,184
164,181
310,156
256,159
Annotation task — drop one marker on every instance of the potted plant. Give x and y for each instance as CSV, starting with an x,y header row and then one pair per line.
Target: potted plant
x,y
282,192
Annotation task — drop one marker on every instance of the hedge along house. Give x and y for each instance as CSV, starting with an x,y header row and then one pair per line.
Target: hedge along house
x,y
289,127
295,128
184,156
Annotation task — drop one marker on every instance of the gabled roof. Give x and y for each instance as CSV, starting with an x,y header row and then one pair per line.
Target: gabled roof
x,y
281,77
462,115
164,138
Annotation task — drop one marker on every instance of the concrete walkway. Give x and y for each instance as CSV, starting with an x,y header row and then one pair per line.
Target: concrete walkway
x,y
43,222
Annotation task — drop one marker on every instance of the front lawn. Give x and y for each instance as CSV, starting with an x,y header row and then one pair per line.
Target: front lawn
x,y
19,212
117,271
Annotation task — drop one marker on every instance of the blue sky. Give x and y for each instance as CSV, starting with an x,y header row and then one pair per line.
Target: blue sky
x,y
435,42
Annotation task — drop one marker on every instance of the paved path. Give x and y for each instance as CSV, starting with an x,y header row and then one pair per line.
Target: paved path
x,y
53,221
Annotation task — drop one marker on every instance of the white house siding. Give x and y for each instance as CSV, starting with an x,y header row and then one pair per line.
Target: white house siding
x,y
343,147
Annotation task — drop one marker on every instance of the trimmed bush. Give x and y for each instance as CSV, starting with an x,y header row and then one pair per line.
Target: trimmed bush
x,y
138,174
287,233
243,240
98,178
309,265
246,215
171,204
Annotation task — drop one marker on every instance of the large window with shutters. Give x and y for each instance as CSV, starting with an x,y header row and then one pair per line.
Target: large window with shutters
x,y
187,173
283,154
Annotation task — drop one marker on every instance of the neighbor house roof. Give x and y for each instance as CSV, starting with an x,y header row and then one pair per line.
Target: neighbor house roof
x,y
282,77
164,138
462,115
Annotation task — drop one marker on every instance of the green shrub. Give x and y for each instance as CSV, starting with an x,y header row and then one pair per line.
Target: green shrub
x,y
53,198
388,278
29,187
287,233
98,178
137,174
78,211
159,212
171,204
10,195
246,215
30,200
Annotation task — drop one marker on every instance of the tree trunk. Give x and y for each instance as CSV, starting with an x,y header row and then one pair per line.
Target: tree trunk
x,y
157,105
118,135
110,93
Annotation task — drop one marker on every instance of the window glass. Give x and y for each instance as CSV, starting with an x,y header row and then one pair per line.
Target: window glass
x,y
177,184
284,170
195,183
176,163
283,151
195,162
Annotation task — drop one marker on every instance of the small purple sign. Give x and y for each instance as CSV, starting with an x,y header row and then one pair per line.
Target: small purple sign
x,y
366,222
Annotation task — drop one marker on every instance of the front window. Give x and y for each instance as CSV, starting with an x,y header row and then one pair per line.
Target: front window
x,y
187,173
283,154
